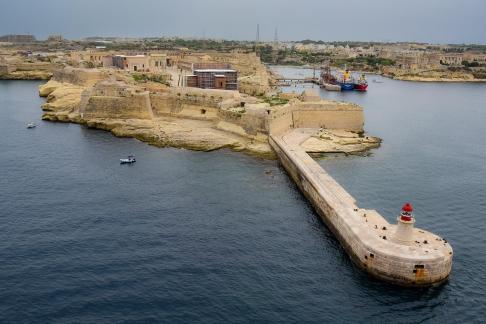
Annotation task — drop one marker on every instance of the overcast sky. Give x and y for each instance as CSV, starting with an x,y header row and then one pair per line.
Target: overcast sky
x,y
434,21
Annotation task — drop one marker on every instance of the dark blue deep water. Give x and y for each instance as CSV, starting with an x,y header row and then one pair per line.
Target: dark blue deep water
x,y
186,236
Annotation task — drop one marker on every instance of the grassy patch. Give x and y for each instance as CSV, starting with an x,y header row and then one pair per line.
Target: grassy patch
x,y
144,77
274,100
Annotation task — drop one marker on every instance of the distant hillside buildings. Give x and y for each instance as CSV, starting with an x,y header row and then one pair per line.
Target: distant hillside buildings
x,y
55,38
405,56
17,38
148,62
201,74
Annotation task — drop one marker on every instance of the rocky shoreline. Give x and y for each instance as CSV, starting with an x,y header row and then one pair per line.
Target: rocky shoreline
x,y
190,118
431,75
167,132
434,79
26,75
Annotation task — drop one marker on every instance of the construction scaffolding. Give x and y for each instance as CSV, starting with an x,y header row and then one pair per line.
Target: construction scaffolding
x,y
226,79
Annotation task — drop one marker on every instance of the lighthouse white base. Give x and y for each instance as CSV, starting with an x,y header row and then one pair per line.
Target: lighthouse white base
x,y
404,232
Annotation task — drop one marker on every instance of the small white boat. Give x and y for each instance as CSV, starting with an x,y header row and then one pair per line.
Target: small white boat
x,y
31,125
128,160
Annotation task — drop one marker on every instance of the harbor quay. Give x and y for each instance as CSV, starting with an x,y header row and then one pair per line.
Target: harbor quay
x,y
399,254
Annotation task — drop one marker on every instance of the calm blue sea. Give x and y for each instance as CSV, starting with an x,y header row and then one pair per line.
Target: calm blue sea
x,y
185,236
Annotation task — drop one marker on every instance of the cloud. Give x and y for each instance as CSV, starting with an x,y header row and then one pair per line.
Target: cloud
x,y
435,21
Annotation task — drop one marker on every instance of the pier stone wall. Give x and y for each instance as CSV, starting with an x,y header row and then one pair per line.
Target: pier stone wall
x,y
367,245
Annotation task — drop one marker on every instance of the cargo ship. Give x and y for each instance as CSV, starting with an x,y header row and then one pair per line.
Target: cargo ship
x,y
361,84
346,81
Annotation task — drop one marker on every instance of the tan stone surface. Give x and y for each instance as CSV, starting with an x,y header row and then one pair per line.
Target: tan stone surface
x,y
47,88
364,234
61,97
339,141
326,114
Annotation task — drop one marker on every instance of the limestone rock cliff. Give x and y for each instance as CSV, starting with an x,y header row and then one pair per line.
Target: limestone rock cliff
x,y
187,117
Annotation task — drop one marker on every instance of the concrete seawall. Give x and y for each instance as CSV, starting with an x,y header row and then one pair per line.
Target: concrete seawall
x,y
365,235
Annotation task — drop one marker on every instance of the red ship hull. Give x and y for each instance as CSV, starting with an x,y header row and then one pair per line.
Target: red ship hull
x,y
361,87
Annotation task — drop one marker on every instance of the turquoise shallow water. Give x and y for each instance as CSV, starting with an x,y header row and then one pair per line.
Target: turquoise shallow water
x,y
186,236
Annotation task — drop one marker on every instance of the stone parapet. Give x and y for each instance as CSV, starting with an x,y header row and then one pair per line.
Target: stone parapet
x,y
320,114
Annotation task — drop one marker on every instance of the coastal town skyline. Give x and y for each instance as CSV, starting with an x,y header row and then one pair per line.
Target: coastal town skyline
x,y
435,22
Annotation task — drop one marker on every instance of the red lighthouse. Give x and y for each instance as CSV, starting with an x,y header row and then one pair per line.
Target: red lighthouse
x,y
404,230
406,214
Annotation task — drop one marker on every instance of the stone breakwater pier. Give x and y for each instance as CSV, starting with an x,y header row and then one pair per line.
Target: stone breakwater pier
x,y
400,254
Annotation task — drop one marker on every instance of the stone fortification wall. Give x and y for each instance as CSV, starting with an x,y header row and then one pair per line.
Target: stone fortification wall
x,y
104,97
168,104
329,115
254,85
4,69
245,63
320,114
227,107
112,99
84,77
254,77
215,94
115,100
193,102
15,68
281,120
136,106
250,119
37,66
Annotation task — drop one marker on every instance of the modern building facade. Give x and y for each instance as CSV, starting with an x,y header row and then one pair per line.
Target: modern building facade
x,y
226,79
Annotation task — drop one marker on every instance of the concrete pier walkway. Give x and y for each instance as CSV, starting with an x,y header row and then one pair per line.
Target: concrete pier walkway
x,y
369,239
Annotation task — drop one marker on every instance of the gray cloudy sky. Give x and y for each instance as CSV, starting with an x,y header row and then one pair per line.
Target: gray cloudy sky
x,y
436,21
